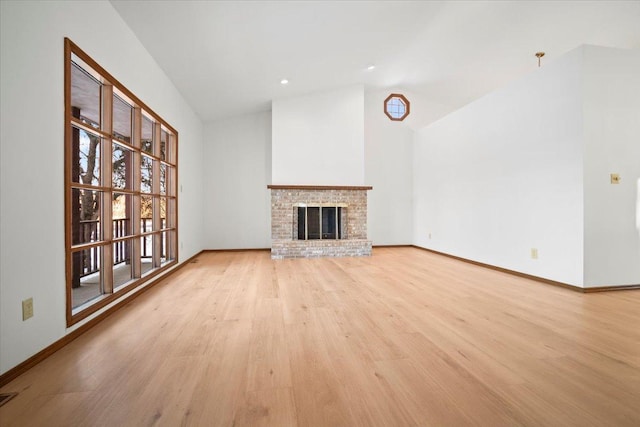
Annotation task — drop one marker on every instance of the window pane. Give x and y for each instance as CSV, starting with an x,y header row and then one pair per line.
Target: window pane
x,y
163,247
163,144
121,119
85,167
85,216
146,214
85,96
396,108
147,135
146,170
163,212
170,178
122,272
163,179
122,212
146,245
86,282
168,246
122,167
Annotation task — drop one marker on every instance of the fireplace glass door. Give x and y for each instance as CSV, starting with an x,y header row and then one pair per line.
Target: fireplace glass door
x,y
319,222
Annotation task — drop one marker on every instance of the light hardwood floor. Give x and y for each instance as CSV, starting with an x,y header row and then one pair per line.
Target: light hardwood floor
x,y
405,337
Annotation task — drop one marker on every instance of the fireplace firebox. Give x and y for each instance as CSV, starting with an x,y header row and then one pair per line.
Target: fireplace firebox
x,y
320,222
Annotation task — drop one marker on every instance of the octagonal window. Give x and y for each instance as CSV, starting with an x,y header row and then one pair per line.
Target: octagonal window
x,y
396,107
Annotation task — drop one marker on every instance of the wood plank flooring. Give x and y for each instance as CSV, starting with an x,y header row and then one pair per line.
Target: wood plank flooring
x,y
402,338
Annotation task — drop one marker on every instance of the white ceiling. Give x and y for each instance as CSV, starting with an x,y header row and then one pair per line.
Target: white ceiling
x,y
227,58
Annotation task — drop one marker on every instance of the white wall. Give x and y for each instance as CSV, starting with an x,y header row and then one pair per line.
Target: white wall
x,y
237,157
32,148
388,168
318,139
612,142
237,202
504,174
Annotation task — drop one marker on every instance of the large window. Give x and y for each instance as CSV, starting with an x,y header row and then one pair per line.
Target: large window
x,y
120,188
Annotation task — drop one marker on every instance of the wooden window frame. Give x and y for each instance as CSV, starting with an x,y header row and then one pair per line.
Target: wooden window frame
x,y
169,230
404,100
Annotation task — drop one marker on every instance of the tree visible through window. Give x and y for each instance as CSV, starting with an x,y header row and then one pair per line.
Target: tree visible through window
x,y
121,188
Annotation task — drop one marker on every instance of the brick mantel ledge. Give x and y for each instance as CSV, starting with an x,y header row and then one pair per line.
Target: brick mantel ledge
x,y
318,187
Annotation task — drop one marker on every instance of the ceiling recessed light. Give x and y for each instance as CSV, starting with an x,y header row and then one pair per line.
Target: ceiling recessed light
x,y
284,81
371,67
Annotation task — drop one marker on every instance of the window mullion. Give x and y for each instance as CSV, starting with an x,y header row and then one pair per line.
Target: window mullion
x,y
155,190
136,256
171,183
106,178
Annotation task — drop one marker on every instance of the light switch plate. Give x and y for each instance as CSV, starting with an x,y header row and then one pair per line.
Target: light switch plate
x,y
27,308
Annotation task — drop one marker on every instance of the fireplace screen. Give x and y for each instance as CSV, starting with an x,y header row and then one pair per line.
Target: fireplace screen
x,y
320,222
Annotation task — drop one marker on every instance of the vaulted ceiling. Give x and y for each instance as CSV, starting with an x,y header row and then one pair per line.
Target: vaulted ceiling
x,y
228,57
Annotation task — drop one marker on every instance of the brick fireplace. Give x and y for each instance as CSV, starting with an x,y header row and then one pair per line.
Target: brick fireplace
x,y
318,221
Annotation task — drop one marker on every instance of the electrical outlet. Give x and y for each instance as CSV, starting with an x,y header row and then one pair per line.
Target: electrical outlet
x,y
429,235
615,178
534,253
27,309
